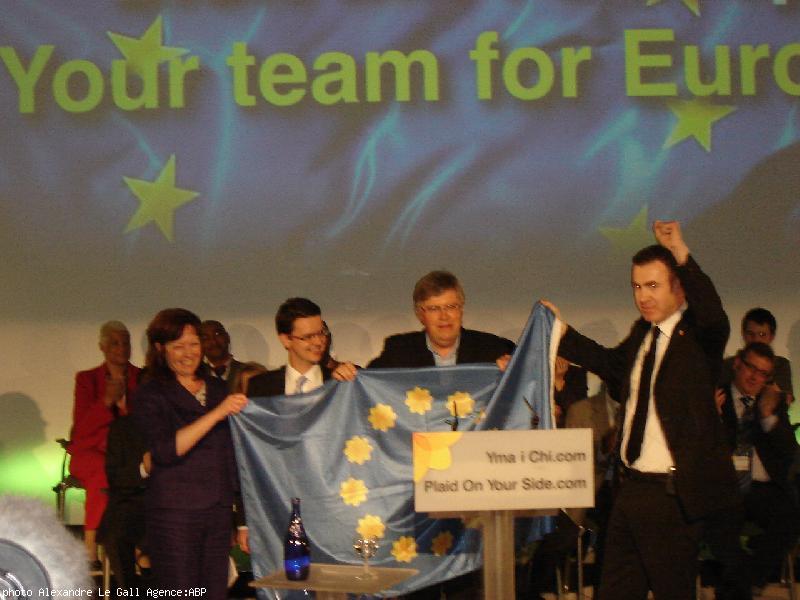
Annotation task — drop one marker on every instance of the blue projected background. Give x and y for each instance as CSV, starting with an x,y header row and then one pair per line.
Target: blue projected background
x,y
501,187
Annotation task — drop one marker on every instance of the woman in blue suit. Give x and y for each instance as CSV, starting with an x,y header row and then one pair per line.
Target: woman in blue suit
x,y
193,481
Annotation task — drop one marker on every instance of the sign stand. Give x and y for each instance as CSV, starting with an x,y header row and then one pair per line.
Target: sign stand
x,y
493,477
499,561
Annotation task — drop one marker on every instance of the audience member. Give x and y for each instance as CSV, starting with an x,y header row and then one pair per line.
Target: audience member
x,y
759,325
677,468
598,413
182,411
216,343
242,379
128,464
302,332
763,446
100,395
569,386
439,305
328,359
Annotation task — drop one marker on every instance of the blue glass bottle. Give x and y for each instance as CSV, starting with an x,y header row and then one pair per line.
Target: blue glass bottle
x,y
296,549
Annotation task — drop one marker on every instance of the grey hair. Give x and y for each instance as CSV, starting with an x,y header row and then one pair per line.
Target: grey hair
x,y
109,327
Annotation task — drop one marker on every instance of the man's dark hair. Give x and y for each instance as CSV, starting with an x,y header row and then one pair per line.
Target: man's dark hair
x,y
656,252
759,348
761,316
436,283
216,325
167,326
294,308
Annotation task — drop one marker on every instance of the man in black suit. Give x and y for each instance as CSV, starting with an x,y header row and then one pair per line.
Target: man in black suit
x,y
305,337
439,306
677,465
216,343
763,445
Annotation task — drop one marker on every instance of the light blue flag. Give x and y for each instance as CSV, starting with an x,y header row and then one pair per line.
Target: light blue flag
x,y
345,450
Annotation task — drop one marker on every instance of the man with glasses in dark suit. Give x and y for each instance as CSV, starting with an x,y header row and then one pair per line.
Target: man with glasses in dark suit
x,y
439,305
302,332
762,441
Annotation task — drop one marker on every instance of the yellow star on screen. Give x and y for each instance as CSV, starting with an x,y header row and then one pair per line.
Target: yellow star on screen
x,y
628,240
695,118
147,50
158,200
692,5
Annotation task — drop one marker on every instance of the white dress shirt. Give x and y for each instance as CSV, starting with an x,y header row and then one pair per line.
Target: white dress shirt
x,y
655,456
313,379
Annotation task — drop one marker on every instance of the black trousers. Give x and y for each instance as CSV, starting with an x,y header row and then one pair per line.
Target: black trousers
x,y
650,545
774,510
122,530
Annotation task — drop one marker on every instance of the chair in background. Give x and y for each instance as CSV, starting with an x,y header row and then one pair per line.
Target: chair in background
x,y
66,483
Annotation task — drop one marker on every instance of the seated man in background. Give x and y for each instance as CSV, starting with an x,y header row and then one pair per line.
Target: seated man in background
x,y
598,413
759,325
301,331
101,394
439,305
763,446
216,343
569,387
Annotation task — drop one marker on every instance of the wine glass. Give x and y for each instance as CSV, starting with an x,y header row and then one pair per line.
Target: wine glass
x,y
366,547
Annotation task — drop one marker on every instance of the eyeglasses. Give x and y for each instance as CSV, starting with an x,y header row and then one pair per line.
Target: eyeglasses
x,y
438,309
322,334
754,369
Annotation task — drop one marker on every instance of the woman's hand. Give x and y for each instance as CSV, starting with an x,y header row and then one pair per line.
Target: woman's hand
x,y
231,405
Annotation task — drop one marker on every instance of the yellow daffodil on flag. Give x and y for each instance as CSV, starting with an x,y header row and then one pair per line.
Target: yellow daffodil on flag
x,y
432,451
419,400
382,417
358,449
404,549
442,543
353,491
371,526
460,404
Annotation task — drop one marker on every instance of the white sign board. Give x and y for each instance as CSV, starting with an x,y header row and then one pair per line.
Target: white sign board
x,y
503,470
